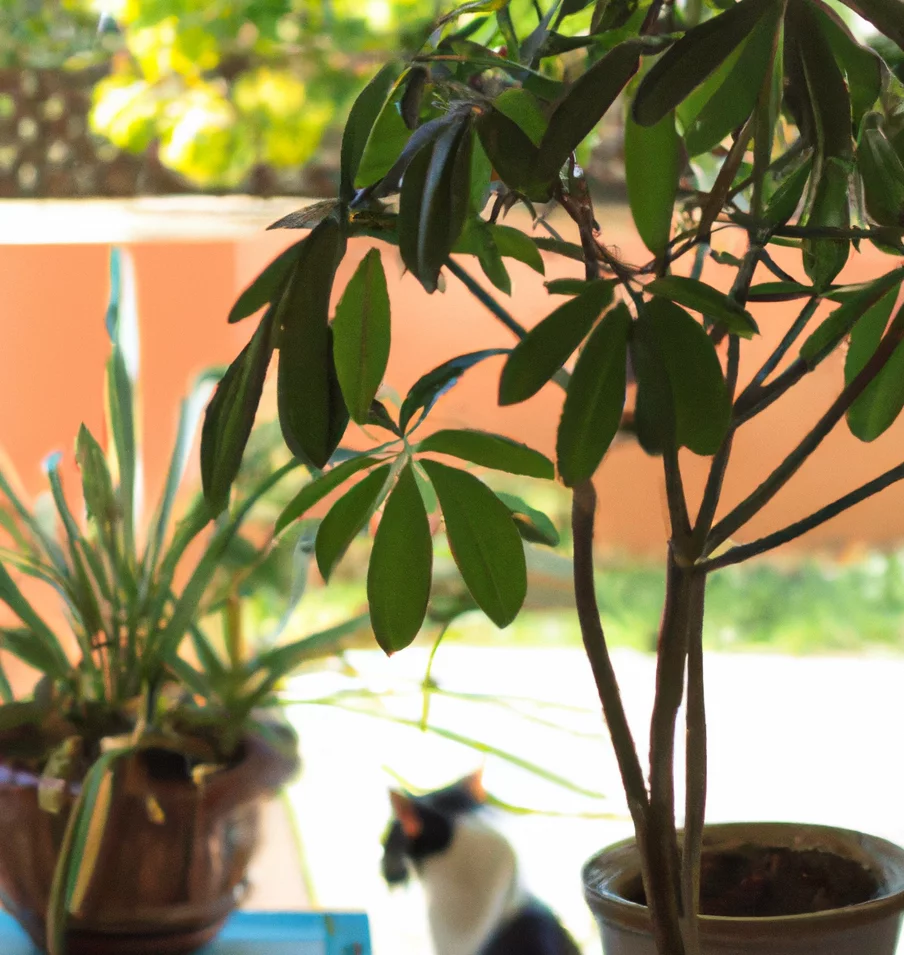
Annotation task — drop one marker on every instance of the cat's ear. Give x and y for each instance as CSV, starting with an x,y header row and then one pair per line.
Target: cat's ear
x,y
473,786
404,809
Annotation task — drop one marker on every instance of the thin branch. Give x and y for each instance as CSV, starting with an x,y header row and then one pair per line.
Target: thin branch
x,y
758,499
695,767
884,233
484,297
583,513
754,401
745,551
791,336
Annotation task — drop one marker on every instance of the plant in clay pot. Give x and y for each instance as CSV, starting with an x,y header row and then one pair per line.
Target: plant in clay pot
x,y
766,119
154,723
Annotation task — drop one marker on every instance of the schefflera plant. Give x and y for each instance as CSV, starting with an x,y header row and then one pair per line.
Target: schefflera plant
x,y
766,117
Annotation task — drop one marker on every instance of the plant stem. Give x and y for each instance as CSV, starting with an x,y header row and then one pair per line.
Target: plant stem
x,y
671,656
484,297
695,765
744,552
757,500
583,513
756,400
653,842
791,336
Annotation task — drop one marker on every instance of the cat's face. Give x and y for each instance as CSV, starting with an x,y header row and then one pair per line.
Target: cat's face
x,y
423,826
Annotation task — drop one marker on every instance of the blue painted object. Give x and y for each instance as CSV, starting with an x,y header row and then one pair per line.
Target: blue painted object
x,y
255,933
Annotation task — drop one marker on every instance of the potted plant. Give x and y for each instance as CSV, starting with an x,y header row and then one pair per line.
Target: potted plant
x,y
152,727
767,117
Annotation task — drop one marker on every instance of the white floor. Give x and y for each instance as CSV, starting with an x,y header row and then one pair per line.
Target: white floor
x,y
814,739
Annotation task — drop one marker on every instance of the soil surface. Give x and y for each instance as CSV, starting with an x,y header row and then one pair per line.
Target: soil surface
x,y
758,882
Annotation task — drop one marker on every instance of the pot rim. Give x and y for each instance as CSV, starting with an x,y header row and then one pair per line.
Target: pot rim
x,y
605,873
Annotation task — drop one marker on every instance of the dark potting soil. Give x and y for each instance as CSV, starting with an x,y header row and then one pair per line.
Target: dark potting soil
x,y
758,882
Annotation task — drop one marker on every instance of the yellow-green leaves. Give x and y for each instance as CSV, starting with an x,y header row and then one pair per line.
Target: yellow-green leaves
x,y
684,66
595,398
434,201
484,541
361,336
312,413
877,408
547,347
652,167
401,563
682,399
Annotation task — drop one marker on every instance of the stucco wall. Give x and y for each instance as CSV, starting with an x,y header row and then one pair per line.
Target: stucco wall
x,y
52,349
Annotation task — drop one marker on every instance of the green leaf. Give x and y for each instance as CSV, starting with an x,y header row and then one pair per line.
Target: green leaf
x,y
312,413
685,65
347,517
585,104
682,397
42,635
734,100
361,335
533,525
566,286
490,451
429,388
475,6
122,374
401,566
513,155
514,244
230,415
548,345
652,169
784,201
361,119
862,66
525,109
878,407
779,292
568,250
434,203
309,216
484,542
267,286
887,16
39,655
710,302
386,143
838,325
97,485
80,850
318,489
595,398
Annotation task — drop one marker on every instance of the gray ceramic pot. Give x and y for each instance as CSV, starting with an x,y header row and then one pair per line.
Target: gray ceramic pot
x,y
869,928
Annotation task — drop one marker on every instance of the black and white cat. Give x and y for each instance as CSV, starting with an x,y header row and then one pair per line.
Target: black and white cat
x,y
469,871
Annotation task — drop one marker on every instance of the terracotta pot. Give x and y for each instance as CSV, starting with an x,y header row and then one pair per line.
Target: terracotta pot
x,y
159,887
869,928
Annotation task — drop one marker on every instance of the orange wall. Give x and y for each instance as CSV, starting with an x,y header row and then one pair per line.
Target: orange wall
x,y
52,349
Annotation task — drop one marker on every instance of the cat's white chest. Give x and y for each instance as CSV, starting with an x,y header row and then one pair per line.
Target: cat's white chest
x,y
471,887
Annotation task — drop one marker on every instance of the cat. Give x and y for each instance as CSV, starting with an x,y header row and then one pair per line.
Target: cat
x,y
469,871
